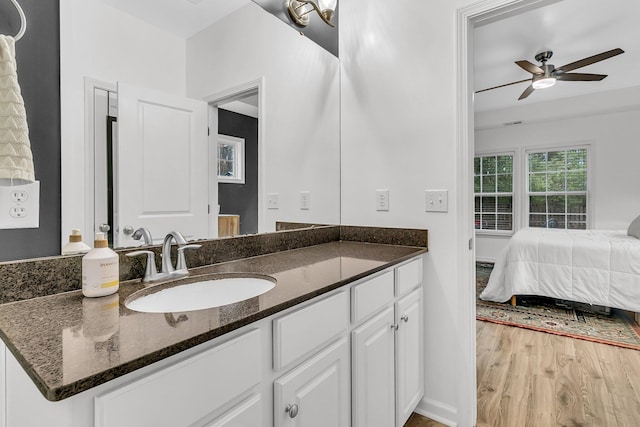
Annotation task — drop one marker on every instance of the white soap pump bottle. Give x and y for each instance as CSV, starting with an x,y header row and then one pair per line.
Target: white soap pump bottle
x,y
100,269
75,244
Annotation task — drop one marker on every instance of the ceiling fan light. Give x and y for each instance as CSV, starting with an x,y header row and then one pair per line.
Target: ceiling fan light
x,y
543,83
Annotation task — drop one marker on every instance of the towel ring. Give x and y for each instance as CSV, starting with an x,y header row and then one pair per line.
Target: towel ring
x,y
23,20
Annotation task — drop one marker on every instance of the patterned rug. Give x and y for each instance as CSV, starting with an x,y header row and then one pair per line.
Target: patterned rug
x,y
558,317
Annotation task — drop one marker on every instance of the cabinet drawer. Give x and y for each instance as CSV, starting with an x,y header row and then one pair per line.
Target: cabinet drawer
x,y
408,276
247,413
303,331
187,391
372,295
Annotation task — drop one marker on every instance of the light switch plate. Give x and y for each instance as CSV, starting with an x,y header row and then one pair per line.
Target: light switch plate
x,y
273,201
382,200
436,200
20,206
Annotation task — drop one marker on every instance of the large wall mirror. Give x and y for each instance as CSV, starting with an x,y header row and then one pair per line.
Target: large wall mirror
x,y
145,88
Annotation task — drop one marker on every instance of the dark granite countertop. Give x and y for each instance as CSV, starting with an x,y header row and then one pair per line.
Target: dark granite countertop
x,y
68,344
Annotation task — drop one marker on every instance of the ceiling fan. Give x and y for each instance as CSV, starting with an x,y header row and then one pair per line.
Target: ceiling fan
x,y
546,75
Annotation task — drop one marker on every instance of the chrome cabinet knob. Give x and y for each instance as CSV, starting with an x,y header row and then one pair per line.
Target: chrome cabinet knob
x,y
104,228
128,230
405,318
292,410
394,327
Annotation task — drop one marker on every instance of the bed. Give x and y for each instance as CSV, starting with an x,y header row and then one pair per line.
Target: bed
x,y
598,267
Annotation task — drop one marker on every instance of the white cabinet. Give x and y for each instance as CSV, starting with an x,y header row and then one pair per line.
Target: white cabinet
x,y
409,355
189,392
373,371
388,354
316,393
245,414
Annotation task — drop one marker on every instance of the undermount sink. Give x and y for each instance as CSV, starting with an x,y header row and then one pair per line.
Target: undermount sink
x,y
198,293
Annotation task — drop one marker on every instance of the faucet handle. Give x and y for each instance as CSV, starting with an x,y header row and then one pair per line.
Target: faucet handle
x,y
150,271
181,265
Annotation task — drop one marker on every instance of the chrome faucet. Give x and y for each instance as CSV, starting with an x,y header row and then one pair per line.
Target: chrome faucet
x,y
151,274
143,232
181,263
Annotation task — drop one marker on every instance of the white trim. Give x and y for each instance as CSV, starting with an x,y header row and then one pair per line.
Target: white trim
x,y
467,17
232,94
3,385
238,159
438,411
90,86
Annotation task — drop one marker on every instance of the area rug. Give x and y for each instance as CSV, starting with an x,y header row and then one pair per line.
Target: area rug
x,y
557,317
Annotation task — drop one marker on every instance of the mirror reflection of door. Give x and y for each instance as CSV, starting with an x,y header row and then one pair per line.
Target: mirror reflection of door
x,y
237,165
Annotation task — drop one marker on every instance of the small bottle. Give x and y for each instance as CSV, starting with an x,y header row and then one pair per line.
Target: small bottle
x,y
100,270
75,244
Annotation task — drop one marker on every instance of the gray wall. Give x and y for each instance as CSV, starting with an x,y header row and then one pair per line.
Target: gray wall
x,y
38,61
241,199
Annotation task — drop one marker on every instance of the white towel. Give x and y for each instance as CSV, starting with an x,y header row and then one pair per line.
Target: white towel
x,y
16,159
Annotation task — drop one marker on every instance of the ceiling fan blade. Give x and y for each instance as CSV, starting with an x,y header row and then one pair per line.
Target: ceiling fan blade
x,y
590,60
507,84
528,91
531,68
580,77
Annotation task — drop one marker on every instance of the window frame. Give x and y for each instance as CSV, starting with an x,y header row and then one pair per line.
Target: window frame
x,y
525,185
238,160
514,193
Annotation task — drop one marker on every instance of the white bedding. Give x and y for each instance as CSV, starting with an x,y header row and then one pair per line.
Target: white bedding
x,y
600,267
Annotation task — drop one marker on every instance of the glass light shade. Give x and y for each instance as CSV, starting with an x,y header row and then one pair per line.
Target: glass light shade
x,y
328,4
544,83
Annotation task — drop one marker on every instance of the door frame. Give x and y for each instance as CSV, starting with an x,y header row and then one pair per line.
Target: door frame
x,y
225,96
90,86
478,13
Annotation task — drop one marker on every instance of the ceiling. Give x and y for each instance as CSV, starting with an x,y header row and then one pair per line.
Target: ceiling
x,y
572,29
183,18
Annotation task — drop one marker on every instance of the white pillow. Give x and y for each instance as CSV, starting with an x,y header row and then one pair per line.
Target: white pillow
x,y
634,228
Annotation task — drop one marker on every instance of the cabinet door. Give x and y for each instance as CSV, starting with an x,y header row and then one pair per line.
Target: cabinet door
x,y
373,372
245,414
409,355
316,393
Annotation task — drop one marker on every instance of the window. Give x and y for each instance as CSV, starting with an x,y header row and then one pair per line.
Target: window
x,y
493,182
557,188
230,159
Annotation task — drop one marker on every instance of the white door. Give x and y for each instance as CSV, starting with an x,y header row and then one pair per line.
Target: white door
x,y
162,168
373,372
315,394
409,355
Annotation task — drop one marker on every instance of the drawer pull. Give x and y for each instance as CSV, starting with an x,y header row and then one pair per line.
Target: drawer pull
x,y
405,318
292,410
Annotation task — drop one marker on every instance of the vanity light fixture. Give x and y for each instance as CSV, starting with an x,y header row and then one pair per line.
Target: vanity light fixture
x,y
299,10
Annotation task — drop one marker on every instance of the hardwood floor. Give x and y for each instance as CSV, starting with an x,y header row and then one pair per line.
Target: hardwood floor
x,y
534,379
528,378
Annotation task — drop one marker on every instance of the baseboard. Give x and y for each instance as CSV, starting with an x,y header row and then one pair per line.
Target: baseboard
x,y
438,411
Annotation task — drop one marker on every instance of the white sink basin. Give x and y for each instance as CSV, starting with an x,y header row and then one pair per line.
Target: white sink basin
x,y
207,292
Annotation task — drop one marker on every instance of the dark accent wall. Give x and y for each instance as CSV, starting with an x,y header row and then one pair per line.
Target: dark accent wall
x,y
38,62
241,199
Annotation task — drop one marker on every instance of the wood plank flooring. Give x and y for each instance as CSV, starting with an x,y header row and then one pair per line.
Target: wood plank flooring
x,y
534,379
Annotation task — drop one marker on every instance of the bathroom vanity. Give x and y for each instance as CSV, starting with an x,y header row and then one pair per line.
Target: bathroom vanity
x,y
338,341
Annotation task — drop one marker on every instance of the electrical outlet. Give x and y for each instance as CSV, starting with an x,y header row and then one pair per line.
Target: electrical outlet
x,y
20,206
305,200
436,200
382,200
19,196
273,201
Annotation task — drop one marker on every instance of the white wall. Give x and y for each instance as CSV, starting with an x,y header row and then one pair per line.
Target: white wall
x,y
399,133
301,140
102,43
613,136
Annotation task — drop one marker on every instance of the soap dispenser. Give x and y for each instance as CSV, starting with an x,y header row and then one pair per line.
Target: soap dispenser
x,y
75,245
100,269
